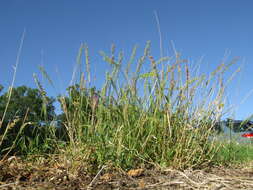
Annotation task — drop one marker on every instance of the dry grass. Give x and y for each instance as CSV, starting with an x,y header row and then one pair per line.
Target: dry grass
x,y
49,174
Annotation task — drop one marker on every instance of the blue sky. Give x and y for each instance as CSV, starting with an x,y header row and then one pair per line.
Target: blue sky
x,y
55,29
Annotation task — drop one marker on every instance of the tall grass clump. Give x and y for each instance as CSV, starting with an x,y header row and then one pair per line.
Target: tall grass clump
x,y
149,112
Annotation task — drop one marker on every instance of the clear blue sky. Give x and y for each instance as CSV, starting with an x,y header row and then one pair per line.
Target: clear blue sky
x,y
56,28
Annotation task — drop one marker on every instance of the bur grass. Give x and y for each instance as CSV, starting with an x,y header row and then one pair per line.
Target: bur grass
x,y
162,117
151,113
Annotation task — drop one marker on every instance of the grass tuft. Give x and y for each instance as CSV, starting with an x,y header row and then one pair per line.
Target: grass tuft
x,y
155,113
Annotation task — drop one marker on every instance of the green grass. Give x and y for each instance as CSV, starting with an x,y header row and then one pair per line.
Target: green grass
x,y
234,153
151,113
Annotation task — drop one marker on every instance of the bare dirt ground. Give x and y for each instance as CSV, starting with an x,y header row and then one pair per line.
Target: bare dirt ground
x,y
17,174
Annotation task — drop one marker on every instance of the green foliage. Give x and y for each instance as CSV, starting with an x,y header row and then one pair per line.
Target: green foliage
x,y
22,122
26,102
234,153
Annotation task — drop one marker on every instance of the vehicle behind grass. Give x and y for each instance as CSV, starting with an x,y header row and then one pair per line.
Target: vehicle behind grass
x,y
237,131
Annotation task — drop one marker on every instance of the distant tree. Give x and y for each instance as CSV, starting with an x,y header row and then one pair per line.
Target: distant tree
x,y
25,106
28,102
